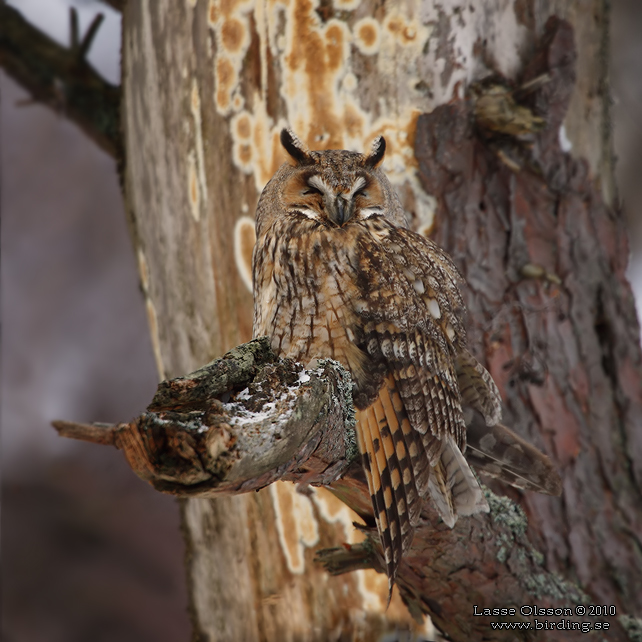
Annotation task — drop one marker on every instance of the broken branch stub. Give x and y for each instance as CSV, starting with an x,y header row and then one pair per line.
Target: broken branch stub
x,y
237,424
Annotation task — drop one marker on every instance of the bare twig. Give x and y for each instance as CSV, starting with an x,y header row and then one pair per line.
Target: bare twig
x,y
103,434
81,47
60,77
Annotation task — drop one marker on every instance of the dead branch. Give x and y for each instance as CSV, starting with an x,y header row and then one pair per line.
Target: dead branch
x,y
60,77
237,424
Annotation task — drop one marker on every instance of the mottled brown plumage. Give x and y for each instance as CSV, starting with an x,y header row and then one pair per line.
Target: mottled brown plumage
x,y
337,275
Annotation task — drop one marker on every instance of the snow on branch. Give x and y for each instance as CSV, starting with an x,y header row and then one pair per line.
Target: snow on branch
x,y
238,424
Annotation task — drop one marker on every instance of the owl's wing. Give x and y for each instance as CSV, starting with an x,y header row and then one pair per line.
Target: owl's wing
x,y
492,448
424,378
410,324
408,436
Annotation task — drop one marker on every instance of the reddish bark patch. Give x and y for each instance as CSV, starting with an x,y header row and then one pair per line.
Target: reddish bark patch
x,y
563,347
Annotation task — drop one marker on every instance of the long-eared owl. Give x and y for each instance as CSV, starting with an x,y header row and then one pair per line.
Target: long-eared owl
x,y
338,275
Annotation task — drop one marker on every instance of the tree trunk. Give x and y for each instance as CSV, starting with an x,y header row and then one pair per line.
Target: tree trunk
x,y
206,90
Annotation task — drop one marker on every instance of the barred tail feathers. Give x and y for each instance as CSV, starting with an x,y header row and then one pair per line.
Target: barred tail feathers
x,y
373,476
382,433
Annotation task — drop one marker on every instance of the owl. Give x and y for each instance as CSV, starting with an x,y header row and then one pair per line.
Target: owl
x,y
337,274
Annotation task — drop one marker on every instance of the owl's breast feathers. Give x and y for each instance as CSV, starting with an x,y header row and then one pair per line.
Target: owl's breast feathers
x,y
385,302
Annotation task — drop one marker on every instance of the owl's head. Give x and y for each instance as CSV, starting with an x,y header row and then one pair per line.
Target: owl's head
x,y
334,188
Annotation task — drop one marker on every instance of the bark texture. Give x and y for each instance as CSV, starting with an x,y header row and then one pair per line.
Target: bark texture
x,y
545,261
206,89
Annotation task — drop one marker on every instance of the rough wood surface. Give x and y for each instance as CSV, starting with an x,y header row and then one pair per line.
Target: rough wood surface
x,y
236,425
554,317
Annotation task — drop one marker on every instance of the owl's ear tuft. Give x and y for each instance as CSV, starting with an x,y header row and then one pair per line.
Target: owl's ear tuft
x,y
378,150
295,147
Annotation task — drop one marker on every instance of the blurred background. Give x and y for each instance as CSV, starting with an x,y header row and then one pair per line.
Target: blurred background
x,y
91,553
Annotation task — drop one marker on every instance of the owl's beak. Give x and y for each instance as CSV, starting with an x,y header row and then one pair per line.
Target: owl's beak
x,y
340,210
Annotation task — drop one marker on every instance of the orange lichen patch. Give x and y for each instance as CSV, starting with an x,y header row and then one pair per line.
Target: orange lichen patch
x,y
212,14
313,60
244,240
225,8
244,153
306,23
226,78
402,43
229,20
335,34
268,152
411,131
320,90
394,24
405,33
233,35
399,134
152,320
354,122
367,36
373,588
334,511
295,524
192,187
242,126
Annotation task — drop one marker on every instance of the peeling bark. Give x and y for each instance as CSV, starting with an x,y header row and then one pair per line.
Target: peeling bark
x,y
561,343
